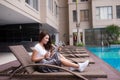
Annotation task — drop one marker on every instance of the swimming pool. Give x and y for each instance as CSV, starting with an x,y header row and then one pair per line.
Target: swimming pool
x,y
111,55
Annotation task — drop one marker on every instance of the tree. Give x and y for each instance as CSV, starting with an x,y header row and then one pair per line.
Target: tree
x,y
113,32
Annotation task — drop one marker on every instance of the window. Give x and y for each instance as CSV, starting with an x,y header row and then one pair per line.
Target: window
x,y
32,3
84,15
73,0
118,11
55,9
83,0
50,5
35,4
27,1
19,33
74,16
104,12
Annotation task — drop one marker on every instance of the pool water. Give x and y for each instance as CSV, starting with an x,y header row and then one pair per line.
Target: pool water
x,y
111,55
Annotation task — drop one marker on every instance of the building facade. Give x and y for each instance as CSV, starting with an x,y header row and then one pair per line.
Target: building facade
x,y
63,21
84,19
105,12
50,17
19,11
93,16
22,20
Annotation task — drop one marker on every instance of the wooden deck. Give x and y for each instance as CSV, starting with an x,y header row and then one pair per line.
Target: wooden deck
x,y
95,62
111,72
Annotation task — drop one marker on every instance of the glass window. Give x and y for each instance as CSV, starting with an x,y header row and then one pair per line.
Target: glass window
x,y
118,11
55,9
27,1
98,13
84,15
73,0
33,3
74,16
50,5
16,33
104,12
83,0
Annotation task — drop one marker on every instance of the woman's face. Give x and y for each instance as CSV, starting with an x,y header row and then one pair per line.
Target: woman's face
x,y
45,39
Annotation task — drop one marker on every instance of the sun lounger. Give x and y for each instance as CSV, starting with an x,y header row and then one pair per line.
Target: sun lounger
x,y
79,52
74,51
22,55
80,49
28,67
76,55
83,59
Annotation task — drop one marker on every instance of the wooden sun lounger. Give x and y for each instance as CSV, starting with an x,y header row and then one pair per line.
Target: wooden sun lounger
x,y
83,59
74,51
80,49
82,55
79,52
28,67
75,55
93,71
24,58
90,72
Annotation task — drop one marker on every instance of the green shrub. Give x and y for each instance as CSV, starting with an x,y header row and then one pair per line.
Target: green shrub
x,y
80,44
115,42
113,33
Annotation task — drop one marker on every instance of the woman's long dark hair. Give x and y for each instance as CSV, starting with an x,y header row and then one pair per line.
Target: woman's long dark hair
x,y
47,46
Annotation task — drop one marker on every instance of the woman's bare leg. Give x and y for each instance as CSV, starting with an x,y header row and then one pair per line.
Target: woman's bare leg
x,y
67,62
62,56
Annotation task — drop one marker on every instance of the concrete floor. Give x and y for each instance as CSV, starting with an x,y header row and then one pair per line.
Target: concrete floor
x,y
6,57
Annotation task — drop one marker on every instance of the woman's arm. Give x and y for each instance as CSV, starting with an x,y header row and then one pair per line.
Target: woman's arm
x,y
35,58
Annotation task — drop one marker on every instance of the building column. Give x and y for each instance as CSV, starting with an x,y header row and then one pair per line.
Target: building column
x,y
56,38
71,37
83,37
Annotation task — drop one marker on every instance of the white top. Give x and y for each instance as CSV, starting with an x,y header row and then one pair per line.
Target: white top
x,y
41,51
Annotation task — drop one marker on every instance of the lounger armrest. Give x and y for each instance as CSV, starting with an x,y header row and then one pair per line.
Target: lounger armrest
x,y
48,65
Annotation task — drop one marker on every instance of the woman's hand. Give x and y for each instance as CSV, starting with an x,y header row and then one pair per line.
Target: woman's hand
x,y
47,55
59,48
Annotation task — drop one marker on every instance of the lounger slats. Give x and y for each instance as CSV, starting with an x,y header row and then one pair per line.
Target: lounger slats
x,y
76,55
83,59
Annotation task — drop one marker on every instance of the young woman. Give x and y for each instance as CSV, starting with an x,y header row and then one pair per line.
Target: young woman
x,y
43,53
